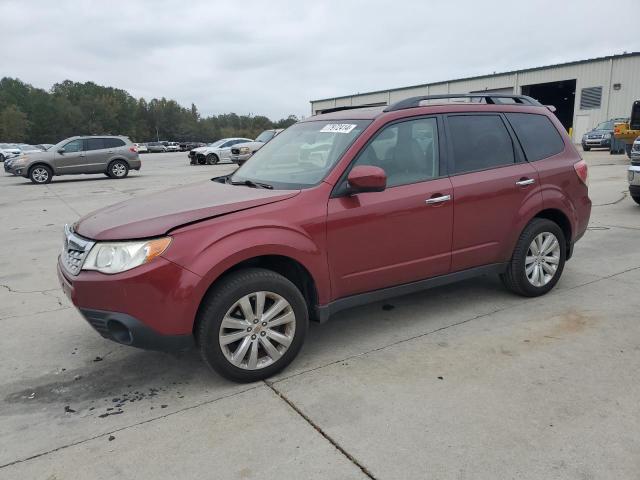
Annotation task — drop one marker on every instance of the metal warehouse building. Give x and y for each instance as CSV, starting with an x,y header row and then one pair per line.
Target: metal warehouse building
x,y
584,93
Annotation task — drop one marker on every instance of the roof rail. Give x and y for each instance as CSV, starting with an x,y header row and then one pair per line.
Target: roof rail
x,y
414,102
346,107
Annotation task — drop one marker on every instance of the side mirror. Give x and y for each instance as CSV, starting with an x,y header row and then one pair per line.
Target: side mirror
x,y
61,151
367,178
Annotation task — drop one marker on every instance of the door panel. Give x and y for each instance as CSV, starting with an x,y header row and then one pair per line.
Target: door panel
x,y
489,211
96,155
494,189
381,239
72,160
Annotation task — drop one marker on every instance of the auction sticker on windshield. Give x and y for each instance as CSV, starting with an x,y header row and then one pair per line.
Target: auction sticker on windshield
x,y
338,128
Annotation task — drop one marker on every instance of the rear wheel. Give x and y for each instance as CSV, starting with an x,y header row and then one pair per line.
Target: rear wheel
x,y
40,174
538,259
252,325
118,169
212,159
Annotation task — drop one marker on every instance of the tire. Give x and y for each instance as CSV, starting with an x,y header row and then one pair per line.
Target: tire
x,y
201,160
586,149
212,159
118,169
627,149
636,199
40,174
516,278
2,157
222,302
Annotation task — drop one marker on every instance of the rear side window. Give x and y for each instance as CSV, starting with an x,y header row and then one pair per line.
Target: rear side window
x,y
113,142
406,151
95,144
538,136
479,142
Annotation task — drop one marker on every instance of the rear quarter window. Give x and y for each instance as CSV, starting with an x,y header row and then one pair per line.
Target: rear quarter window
x,y
537,135
113,143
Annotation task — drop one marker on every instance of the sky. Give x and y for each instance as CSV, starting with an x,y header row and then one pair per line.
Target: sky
x,y
272,57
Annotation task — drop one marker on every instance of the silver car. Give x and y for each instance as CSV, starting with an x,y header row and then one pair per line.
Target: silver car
x,y
111,155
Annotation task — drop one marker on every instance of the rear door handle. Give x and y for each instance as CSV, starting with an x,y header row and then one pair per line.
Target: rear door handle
x,y
525,181
439,199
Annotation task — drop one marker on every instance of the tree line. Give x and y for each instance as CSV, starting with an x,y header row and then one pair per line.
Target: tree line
x,y
34,115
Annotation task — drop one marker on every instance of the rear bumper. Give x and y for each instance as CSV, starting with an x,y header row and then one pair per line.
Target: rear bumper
x,y
152,306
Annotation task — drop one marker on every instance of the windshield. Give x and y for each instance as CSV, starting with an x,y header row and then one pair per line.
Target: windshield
x,y
302,155
605,125
265,136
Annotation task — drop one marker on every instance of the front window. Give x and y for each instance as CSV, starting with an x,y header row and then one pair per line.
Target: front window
x,y
265,136
605,126
302,155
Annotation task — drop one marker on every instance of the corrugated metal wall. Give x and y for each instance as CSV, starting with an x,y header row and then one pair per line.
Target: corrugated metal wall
x,y
605,73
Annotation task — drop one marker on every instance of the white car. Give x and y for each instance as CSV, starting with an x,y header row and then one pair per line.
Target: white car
x,y
8,150
215,152
173,147
141,147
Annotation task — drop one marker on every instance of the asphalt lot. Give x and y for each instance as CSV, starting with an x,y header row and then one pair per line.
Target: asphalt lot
x,y
465,381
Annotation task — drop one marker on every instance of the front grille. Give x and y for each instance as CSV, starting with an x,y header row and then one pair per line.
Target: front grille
x,y
75,251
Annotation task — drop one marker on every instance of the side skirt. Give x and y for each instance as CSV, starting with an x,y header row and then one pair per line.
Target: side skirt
x,y
323,312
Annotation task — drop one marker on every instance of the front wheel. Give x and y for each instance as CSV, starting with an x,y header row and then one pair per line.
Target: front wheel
x,y
252,325
118,169
40,174
212,159
636,199
586,149
538,259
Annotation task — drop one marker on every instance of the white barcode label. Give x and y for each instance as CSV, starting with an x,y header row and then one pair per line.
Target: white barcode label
x,y
338,128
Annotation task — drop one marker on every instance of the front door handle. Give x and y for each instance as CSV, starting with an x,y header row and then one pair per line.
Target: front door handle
x,y
525,181
438,199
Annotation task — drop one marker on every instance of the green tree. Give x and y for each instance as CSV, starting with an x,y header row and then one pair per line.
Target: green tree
x,y
14,125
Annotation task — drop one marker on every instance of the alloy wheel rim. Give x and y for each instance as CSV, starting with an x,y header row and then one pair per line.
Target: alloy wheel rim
x,y
118,170
40,175
257,330
542,260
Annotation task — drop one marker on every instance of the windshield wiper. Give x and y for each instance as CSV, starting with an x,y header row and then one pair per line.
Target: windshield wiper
x,y
252,184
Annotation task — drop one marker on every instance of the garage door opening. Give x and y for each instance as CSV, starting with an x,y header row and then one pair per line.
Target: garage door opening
x,y
561,95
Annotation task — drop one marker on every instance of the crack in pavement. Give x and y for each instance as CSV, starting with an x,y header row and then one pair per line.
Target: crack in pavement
x,y
79,442
35,313
12,290
55,194
624,193
317,428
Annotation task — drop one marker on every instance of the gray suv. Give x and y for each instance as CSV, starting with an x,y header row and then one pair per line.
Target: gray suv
x,y
113,156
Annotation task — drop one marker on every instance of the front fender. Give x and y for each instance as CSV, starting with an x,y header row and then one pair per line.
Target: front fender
x,y
209,254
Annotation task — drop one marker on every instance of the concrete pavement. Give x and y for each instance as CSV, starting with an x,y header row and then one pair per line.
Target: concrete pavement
x,y
463,381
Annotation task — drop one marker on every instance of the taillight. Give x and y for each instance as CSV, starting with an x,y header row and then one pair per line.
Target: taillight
x,y
133,149
582,171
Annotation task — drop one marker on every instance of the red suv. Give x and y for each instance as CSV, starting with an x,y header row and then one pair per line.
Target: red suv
x,y
340,209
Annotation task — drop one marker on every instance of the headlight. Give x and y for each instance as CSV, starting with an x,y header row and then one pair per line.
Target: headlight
x,y
116,257
244,150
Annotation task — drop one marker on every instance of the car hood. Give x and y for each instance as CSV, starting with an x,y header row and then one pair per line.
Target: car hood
x,y
251,145
33,156
200,149
158,213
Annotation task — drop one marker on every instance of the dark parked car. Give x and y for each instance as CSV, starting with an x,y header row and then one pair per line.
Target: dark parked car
x,y
338,210
601,136
113,156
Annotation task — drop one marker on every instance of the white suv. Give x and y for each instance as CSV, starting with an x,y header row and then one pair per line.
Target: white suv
x,y
634,171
